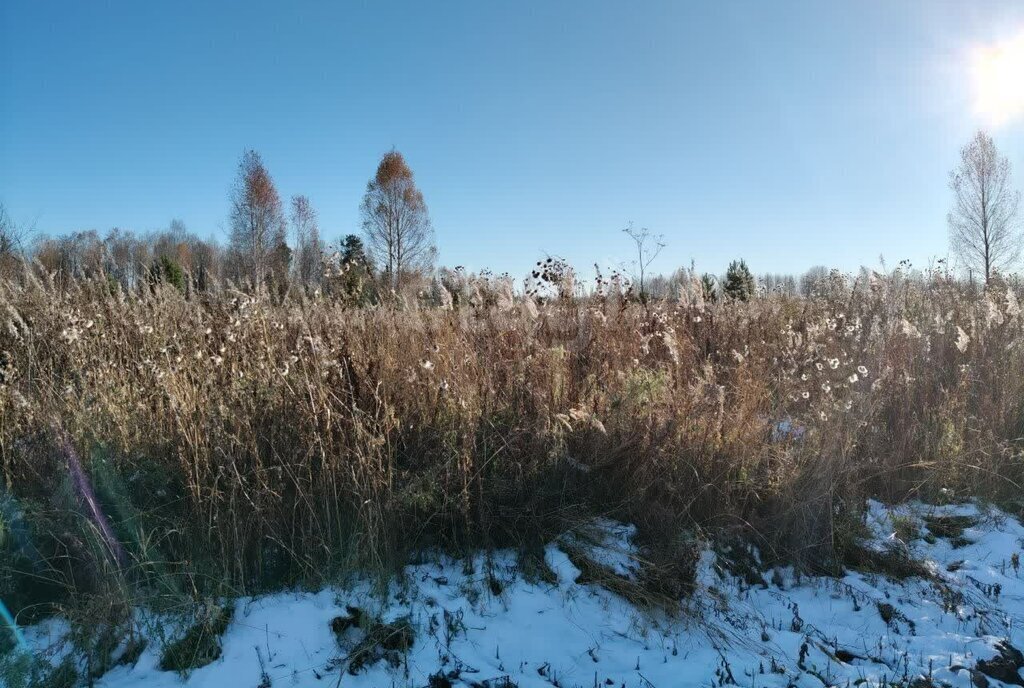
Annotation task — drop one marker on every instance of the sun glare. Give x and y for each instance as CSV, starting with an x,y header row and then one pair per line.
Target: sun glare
x,y
998,75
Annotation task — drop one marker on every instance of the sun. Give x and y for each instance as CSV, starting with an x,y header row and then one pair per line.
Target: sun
x,y
997,72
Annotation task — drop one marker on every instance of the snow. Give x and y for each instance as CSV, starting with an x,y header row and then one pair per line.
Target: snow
x,y
480,623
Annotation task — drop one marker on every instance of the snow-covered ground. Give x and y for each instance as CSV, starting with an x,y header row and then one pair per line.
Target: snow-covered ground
x,y
480,623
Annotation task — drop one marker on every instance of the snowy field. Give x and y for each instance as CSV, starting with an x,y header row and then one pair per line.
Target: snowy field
x,y
481,623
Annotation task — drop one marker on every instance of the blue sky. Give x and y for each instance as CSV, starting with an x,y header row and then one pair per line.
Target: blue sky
x,y
788,133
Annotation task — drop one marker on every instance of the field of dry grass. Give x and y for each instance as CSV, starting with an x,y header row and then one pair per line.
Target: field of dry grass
x,y
222,442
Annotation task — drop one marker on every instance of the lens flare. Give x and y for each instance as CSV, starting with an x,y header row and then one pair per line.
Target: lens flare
x,y
997,72
12,626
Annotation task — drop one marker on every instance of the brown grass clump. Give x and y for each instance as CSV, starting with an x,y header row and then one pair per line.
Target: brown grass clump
x,y
234,442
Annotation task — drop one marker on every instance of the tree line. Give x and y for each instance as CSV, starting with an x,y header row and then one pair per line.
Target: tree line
x,y
271,246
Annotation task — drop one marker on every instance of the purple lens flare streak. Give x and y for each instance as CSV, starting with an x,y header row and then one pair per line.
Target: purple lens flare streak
x,y
85,493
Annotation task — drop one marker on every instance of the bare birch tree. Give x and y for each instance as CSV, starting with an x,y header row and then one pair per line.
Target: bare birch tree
x,y
983,228
396,222
309,250
257,220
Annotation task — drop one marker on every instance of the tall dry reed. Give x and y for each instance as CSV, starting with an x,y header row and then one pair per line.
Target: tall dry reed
x,y
241,441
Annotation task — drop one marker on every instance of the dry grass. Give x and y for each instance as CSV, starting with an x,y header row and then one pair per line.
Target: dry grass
x,y
237,442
